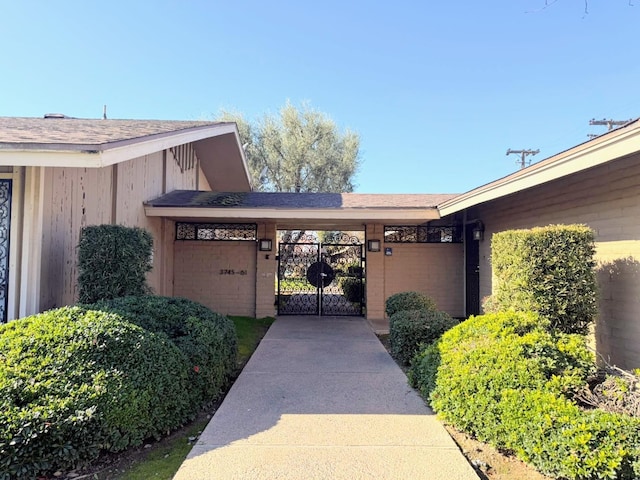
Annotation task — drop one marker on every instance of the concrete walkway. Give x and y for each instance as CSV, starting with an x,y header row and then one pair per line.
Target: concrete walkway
x,y
321,399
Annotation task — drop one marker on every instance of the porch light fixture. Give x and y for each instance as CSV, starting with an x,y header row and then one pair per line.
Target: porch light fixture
x,y
373,245
478,231
265,244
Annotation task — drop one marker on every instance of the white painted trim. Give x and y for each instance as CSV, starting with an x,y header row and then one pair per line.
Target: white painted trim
x,y
102,155
32,242
597,152
306,214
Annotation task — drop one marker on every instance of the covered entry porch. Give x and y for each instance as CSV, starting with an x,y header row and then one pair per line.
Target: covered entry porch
x,y
404,246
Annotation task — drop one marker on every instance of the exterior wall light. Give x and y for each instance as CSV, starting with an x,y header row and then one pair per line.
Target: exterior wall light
x,y
373,245
265,244
478,231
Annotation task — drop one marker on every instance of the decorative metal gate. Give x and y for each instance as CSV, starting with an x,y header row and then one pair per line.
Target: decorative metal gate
x,y
321,278
5,228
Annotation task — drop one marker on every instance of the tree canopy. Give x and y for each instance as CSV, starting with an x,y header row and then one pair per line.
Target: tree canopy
x,y
298,150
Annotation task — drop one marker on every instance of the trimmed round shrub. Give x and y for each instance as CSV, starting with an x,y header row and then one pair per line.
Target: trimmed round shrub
x,y
505,379
408,301
207,339
410,329
74,382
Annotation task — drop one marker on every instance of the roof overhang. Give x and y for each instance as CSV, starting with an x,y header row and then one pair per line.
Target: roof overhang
x,y
217,146
606,148
315,218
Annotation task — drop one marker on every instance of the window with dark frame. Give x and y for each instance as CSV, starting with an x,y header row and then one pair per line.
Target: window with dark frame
x,y
217,231
422,234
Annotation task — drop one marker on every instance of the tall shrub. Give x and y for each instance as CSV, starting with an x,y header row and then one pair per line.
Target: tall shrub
x,y
548,270
113,261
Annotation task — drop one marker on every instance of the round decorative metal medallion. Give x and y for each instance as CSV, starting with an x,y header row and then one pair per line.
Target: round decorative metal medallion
x,y
320,274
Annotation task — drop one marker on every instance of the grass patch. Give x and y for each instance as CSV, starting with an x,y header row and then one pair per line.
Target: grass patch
x,y
250,331
163,459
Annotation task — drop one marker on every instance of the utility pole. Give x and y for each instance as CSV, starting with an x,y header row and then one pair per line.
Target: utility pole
x,y
523,155
609,123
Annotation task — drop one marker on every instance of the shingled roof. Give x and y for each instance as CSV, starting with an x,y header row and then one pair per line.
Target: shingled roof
x,y
80,133
298,210
304,200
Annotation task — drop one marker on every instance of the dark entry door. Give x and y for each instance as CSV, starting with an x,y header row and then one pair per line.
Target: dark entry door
x,y
5,229
472,269
320,279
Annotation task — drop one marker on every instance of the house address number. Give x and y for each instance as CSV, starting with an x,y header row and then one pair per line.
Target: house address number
x,y
226,271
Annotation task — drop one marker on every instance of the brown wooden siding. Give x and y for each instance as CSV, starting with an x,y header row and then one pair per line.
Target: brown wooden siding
x,y
78,197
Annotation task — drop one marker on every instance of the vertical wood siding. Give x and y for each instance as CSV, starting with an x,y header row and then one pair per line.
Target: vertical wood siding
x,y
78,197
74,198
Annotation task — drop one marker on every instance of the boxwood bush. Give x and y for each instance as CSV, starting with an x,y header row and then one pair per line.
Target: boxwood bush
x,y
78,380
74,382
207,339
408,301
410,329
549,270
113,261
506,379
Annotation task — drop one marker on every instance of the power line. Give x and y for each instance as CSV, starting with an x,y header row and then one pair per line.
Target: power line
x,y
523,155
609,123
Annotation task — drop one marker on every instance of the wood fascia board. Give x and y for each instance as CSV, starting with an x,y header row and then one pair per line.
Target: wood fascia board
x,y
105,155
290,214
245,163
564,164
130,151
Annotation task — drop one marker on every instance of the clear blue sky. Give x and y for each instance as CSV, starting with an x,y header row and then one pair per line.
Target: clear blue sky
x,y
438,91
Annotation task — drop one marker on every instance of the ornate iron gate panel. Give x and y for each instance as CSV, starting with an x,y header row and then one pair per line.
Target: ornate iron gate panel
x,y
320,279
5,228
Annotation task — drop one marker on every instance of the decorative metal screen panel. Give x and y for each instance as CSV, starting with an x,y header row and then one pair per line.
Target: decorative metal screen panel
x,y
320,279
216,231
5,228
422,234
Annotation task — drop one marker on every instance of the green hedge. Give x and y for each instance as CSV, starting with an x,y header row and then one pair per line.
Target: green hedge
x,y
410,329
548,270
408,301
113,261
208,339
78,380
74,382
506,380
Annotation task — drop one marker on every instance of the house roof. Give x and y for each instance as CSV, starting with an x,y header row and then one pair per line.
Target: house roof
x,y
618,143
95,143
304,210
84,134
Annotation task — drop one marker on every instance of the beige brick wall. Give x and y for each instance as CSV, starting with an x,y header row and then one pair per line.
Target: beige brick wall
x,y
220,275
266,271
435,269
606,198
